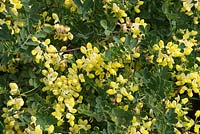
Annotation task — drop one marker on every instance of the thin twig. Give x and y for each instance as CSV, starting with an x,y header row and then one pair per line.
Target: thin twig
x,y
70,50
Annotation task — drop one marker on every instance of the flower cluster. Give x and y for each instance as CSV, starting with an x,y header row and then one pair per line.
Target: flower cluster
x,y
184,122
12,24
137,7
134,28
10,67
188,83
101,82
191,8
71,5
141,125
13,110
167,54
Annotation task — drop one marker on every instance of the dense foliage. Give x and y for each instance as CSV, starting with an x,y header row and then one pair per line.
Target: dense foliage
x,y
99,66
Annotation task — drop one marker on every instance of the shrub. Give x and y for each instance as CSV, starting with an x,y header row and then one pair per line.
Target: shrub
x,y
99,66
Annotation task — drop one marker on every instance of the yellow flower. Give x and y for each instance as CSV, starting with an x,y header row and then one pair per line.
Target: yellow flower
x,y
81,77
124,92
196,128
183,89
188,50
19,102
130,97
198,59
57,115
119,98
179,68
34,39
128,57
190,94
14,88
18,5
121,79
114,85
136,55
90,75
111,91
112,71
148,124
156,47
184,101
136,8
51,49
89,45
70,36
161,44
80,99
50,129
60,122
47,41
38,130
197,114
126,107
115,8
33,120
122,39
55,17
10,102
143,130
140,3
2,7
83,50
134,88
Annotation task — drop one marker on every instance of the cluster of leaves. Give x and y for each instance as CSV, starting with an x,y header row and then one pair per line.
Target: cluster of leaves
x,y
99,66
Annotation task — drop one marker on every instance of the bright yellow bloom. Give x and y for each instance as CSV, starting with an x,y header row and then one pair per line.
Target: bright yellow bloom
x,y
119,98
134,88
130,97
34,39
197,114
47,41
2,7
111,91
136,55
38,130
122,39
83,50
50,129
196,128
114,85
55,17
19,102
51,49
115,8
184,101
121,79
14,88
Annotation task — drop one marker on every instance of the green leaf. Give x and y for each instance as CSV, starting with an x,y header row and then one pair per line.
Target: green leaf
x,y
87,5
31,43
47,29
171,116
117,40
79,5
79,35
41,34
2,90
1,127
133,43
5,33
104,24
107,32
128,40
